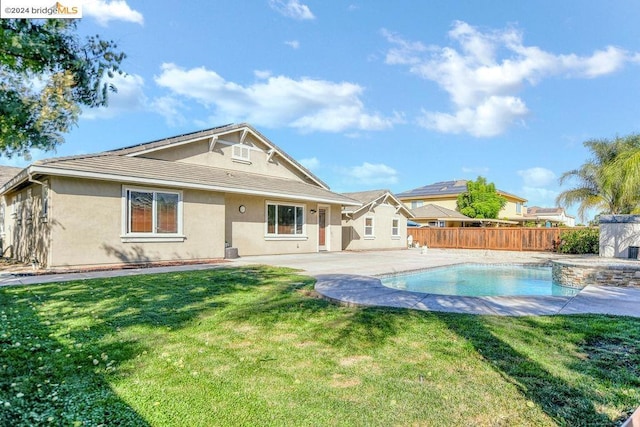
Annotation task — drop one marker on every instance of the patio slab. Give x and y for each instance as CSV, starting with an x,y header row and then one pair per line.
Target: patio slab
x,y
349,277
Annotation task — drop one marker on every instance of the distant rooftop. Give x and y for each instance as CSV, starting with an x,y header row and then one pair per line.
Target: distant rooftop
x,y
445,188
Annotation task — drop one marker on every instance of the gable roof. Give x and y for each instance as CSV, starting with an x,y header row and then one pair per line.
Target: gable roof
x,y
8,172
213,134
431,211
123,166
372,198
445,188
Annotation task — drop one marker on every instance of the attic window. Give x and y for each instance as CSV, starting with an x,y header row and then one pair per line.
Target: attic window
x,y
241,152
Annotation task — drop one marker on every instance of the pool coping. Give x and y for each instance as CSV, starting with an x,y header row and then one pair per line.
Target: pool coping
x,y
368,291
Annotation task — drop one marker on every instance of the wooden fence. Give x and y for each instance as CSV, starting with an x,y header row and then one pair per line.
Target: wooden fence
x,y
499,238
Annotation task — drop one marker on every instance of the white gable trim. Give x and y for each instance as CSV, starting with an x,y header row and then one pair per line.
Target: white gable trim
x,y
245,132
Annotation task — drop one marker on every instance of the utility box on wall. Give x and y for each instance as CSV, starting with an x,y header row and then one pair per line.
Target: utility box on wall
x,y
619,236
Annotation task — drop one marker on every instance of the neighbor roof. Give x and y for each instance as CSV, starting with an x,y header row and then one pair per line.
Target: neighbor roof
x,y
445,188
432,211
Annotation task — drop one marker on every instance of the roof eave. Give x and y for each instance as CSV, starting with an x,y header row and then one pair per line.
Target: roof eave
x,y
181,184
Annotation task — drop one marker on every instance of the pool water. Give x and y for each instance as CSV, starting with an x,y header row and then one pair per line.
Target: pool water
x,y
481,280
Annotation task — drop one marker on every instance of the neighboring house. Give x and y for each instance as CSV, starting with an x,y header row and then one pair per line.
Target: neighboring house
x,y
445,194
550,217
183,198
436,216
379,223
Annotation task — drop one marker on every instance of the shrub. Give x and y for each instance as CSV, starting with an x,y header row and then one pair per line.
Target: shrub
x,y
581,241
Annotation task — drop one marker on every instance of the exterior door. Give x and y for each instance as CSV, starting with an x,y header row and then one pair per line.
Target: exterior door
x,y
322,229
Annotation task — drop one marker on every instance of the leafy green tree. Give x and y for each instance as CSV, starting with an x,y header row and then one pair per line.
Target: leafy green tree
x,y
46,75
481,200
602,182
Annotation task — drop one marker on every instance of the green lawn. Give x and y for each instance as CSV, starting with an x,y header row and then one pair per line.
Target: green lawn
x,y
255,346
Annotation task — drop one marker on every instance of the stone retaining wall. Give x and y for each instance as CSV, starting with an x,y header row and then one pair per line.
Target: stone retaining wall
x,y
579,275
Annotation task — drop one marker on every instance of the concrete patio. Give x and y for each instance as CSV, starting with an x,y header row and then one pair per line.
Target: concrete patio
x,y
349,278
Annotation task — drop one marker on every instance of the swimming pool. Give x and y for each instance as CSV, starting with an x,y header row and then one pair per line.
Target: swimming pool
x,y
481,280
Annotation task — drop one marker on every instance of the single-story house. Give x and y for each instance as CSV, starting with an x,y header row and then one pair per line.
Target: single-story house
x,y
432,215
183,198
445,194
379,223
551,217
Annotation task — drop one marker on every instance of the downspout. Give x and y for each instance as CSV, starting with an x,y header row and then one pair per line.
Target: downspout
x,y
34,260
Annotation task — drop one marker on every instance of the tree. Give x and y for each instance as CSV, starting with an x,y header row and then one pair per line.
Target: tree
x,y
602,180
46,75
480,200
625,169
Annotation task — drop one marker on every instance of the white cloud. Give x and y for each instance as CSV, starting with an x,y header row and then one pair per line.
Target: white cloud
x,y
294,44
373,174
542,197
292,9
484,72
489,118
129,97
311,163
306,104
537,177
170,108
115,10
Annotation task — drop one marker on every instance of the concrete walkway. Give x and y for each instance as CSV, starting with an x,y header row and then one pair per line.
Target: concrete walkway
x,y
349,277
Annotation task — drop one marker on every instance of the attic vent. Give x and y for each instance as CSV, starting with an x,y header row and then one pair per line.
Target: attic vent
x,y
241,152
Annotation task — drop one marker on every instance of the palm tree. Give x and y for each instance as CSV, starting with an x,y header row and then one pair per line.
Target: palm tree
x,y
626,169
602,182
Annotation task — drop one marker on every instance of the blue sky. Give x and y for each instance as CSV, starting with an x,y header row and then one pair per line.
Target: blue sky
x,y
378,94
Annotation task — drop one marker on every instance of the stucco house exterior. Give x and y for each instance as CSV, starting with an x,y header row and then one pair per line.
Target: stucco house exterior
x,y
445,194
184,198
379,223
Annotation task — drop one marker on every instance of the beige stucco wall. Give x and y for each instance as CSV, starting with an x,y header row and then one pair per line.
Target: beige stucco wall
x,y
86,226
26,231
247,231
198,153
353,230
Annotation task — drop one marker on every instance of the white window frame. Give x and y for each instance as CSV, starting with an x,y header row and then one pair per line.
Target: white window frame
x,y
417,204
276,235
241,152
153,236
371,234
395,230
518,207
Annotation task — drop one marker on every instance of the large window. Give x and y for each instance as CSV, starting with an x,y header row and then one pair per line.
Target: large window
x,y
368,227
285,220
153,212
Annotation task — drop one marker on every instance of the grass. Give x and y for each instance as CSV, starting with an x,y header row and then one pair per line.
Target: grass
x,y
254,346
